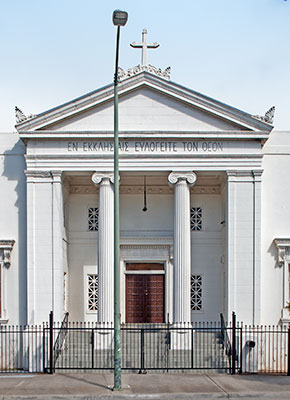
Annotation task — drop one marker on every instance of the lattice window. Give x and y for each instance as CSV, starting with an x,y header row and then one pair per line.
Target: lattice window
x,y
93,219
196,293
93,292
196,218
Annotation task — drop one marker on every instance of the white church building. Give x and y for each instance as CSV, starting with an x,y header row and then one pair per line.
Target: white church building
x,y
204,209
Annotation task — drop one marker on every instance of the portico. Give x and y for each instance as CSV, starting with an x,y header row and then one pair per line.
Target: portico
x,y
194,253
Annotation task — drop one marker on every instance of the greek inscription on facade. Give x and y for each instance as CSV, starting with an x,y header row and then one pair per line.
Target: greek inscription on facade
x,y
147,146
208,147
155,146
72,146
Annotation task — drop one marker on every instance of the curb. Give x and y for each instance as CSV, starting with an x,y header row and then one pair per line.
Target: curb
x,y
161,396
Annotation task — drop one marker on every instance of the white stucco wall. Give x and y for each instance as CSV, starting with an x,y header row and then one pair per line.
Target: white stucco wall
x,y
82,253
206,256
13,225
156,221
275,221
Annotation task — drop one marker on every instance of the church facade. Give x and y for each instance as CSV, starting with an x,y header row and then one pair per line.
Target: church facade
x,y
204,215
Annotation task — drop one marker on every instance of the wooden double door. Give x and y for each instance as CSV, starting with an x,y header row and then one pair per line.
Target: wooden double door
x,y
145,294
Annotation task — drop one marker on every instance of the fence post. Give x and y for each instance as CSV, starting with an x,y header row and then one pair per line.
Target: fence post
x,y
191,347
43,350
93,345
167,342
142,351
51,342
288,354
233,343
241,350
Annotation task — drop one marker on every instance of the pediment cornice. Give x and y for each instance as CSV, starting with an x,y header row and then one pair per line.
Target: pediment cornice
x,y
244,121
145,135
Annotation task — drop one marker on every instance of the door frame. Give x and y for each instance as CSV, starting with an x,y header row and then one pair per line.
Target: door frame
x,y
146,272
153,251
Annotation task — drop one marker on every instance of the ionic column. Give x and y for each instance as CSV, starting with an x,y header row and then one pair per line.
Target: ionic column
x,y
182,245
106,246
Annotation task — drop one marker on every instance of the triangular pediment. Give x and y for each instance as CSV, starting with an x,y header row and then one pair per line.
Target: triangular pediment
x,y
146,103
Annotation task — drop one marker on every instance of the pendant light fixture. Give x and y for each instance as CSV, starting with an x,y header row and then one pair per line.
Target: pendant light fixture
x,y
145,199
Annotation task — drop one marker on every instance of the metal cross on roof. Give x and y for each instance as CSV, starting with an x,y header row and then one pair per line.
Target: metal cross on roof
x,y
144,46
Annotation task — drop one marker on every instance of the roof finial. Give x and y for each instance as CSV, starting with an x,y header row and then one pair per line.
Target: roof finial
x,y
144,46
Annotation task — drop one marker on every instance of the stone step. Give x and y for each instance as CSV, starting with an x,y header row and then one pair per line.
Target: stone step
x,y
207,350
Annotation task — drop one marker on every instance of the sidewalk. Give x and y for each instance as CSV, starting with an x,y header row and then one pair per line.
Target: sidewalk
x,y
90,386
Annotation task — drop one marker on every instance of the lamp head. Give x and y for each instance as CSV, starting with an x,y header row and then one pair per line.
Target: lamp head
x,y
120,17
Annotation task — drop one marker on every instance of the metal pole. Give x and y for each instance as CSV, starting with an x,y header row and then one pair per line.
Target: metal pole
x,y
117,330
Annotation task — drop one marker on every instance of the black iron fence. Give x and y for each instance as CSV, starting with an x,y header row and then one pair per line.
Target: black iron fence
x,y
216,346
21,348
144,347
266,349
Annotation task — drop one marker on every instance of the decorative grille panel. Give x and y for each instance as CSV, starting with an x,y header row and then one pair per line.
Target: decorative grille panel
x,y
196,292
196,218
93,219
93,292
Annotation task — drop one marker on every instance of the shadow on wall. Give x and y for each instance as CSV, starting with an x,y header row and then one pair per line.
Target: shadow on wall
x,y
272,250
13,170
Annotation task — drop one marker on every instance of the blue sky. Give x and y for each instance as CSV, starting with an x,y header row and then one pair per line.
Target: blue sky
x,y
236,51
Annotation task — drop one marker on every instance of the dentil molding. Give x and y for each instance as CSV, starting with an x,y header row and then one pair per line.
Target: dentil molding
x,y
126,189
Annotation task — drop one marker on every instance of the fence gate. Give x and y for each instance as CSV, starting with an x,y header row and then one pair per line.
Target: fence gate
x,y
144,347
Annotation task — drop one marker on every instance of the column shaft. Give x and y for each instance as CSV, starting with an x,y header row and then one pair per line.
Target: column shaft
x,y
182,256
182,245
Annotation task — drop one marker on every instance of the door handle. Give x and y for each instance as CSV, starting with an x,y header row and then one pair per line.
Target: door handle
x,y
146,292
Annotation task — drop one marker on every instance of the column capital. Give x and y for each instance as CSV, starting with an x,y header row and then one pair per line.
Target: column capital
x,y
56,175
244,175
97,177
189,177
33,176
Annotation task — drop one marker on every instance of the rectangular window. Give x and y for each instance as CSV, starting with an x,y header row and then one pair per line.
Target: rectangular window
x,y
196,218
93,219
196,292
93,292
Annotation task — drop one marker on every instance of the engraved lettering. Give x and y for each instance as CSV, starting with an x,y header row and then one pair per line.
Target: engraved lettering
x,y
190,146
72,146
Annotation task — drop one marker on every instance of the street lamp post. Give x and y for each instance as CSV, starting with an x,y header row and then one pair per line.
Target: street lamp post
x,y
119,19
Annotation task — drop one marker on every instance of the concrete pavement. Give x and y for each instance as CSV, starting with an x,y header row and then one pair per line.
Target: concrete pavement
x,y
95,386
